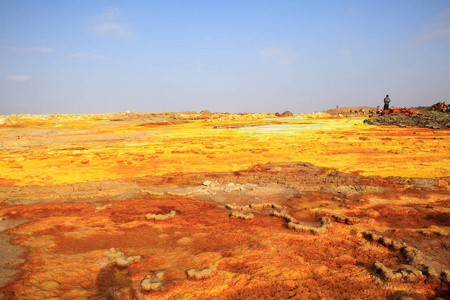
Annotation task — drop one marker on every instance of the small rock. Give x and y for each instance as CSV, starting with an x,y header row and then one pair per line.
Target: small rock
x,y
158,217
147,285
445,276
152,282
396,245
159,276
135,258
201,274
207,183
425,232
240,215
122,262
103,208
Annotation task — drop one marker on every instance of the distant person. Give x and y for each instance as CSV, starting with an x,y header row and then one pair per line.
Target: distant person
x,y
442,106
378,110
386,103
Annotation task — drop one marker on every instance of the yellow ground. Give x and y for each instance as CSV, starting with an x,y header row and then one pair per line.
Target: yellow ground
x,y
63,150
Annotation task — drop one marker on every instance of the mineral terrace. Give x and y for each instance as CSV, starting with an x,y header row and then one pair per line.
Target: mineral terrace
x,y
223,206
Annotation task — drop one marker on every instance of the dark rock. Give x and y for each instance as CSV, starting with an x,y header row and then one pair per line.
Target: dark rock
x,y
426,119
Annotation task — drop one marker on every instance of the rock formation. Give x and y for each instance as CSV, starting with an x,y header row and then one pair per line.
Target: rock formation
x,y
152,282
201,274
431,119
161,217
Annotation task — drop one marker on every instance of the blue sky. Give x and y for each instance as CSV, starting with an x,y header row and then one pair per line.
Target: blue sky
x,y
226,56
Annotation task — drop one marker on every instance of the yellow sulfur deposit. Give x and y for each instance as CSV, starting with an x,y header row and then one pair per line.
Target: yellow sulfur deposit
x,y
65,149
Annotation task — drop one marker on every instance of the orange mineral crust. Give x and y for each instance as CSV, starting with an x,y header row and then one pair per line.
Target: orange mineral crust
x,y
222,206
75,252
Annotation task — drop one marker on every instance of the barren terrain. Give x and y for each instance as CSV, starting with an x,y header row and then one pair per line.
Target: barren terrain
x,y
222,206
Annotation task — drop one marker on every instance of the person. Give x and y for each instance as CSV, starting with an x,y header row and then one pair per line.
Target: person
x,y
386,103
378,110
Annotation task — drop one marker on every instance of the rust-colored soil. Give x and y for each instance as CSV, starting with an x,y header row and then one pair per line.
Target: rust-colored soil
x,y
283,209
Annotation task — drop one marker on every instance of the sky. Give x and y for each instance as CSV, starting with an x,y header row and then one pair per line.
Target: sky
x,y
71,57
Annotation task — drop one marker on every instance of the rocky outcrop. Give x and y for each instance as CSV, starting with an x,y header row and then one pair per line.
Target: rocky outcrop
x,y
161,217
285,216
440,106
119,259
254,206
237,209
430,119
403,274
287,113
152,282
201,274
103,208
240,215
343,219
416,269
325,223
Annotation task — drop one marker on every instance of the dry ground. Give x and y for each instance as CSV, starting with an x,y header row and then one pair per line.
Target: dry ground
x,y
75,192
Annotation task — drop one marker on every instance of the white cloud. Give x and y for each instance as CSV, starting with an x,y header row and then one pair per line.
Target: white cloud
x,y
88,55
18,78
443,14
109,23
437,29
437,34
109,14
40,49
97,56
28,49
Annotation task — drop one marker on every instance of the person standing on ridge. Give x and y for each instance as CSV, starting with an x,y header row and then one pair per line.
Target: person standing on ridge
x,y
386,103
